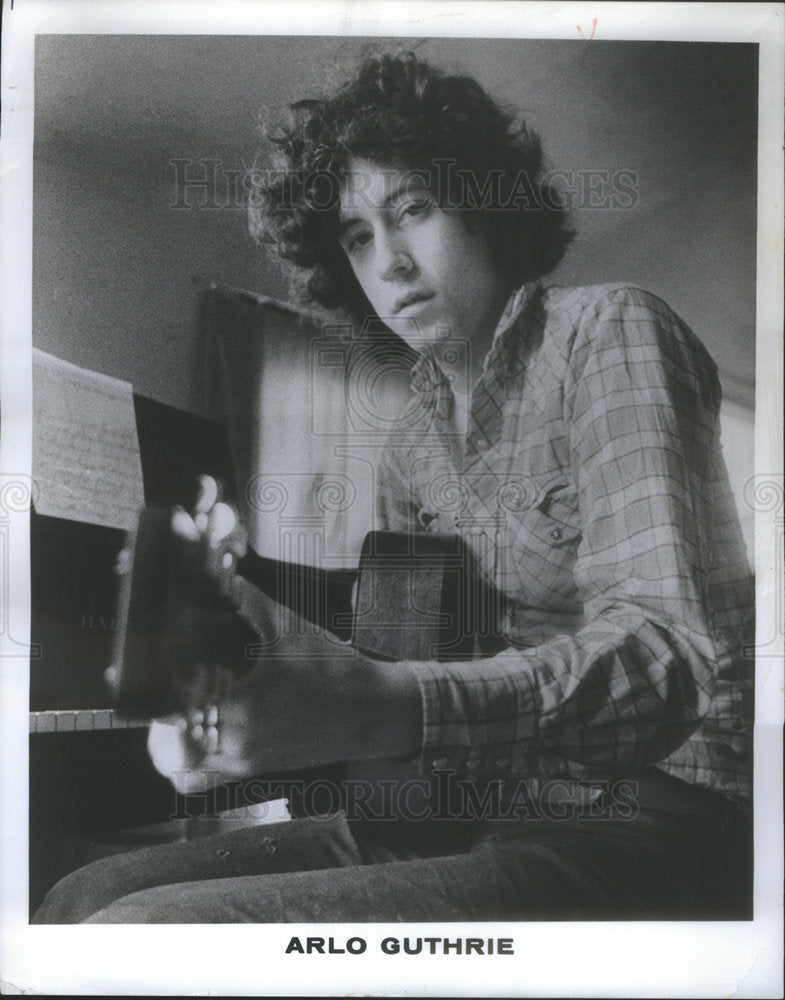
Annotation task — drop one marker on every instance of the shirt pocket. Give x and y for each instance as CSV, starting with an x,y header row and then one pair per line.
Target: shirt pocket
x,y
542,548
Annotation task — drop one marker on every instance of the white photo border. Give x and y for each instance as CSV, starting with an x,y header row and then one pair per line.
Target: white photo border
x,y
587,959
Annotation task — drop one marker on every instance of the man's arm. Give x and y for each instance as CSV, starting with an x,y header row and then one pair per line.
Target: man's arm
x,y
306,700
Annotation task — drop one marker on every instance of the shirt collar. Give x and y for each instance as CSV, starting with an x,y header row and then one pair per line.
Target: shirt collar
x,y
499,355
430,382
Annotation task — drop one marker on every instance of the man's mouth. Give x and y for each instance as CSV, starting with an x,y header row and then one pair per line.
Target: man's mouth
x,y
414,298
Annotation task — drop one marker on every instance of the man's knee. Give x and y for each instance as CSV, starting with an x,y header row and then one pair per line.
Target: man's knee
x,y
189,903
80,893
149,906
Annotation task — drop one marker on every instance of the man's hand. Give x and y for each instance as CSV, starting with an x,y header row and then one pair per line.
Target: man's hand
x,y
178,619
307,700
298,696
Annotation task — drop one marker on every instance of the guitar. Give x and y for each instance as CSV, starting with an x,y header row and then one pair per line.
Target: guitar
x,y
412,597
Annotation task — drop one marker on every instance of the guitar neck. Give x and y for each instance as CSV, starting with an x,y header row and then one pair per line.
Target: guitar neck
x,y
322,596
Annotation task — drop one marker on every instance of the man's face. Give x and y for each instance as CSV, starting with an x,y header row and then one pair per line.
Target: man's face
x,y
427,276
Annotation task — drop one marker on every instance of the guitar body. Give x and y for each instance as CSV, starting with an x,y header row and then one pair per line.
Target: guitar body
x,y
422,597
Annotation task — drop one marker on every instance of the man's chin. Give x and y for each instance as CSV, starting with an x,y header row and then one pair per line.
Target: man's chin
x,y
418,333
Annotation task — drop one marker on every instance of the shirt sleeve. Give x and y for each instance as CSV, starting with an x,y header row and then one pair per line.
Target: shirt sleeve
x,y
641,406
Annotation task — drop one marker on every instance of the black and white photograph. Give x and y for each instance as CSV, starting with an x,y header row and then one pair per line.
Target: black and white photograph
x,y
392,500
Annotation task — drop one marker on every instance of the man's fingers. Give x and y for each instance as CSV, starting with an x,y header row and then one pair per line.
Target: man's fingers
x,y
221,521
183,525
211,683
217,523
206,495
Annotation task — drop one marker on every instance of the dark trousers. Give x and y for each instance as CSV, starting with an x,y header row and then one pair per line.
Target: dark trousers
x,y
657,865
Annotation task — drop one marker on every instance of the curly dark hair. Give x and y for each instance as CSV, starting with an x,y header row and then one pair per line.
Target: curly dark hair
x,y
400,111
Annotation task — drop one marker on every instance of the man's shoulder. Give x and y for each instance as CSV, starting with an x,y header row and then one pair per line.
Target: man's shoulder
x,y
572,318
621,312
623,320
584,301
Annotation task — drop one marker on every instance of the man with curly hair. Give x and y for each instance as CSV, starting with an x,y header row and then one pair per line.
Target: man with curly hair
x,y
613,726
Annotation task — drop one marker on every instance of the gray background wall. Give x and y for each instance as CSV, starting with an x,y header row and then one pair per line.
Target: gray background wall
x,y
113,260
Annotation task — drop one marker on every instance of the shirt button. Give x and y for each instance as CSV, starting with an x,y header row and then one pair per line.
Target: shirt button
x,y
483,444
556,534
440,762
503,763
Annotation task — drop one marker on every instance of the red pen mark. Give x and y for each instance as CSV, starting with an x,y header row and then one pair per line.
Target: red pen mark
x,y
593,29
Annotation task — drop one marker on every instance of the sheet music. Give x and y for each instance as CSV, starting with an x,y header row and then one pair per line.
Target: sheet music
x,y
86,460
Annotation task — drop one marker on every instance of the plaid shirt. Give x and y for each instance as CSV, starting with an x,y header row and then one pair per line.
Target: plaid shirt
x,y
592,490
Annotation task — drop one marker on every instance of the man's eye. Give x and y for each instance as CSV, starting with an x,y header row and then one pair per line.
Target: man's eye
x,y
357,241
415,207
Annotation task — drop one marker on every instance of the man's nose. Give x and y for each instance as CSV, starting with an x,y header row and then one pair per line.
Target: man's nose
x,y
394,257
